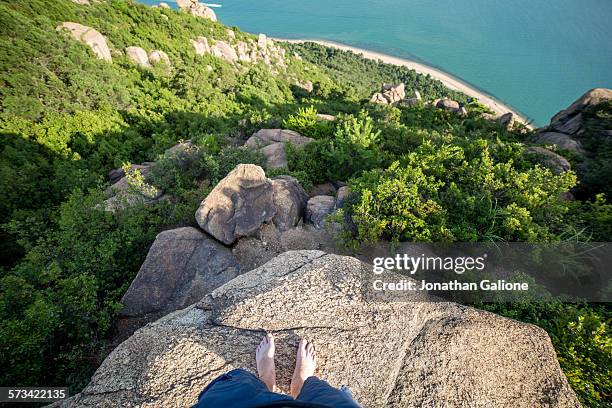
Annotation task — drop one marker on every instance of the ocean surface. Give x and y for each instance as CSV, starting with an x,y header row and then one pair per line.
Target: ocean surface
x,y
538,56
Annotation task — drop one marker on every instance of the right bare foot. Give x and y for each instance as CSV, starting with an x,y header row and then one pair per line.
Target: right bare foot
x,y
305,365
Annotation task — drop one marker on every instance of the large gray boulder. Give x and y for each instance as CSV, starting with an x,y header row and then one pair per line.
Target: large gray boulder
x,y
200,44
390,354
182,266
561,140
569,120
265,137
223,50
138,55
271,143
318,208
389,94
557,163
238,205
448,104
290,201
158,56
89,36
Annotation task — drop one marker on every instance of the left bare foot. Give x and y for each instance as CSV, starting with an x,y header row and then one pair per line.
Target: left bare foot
x,y
264,356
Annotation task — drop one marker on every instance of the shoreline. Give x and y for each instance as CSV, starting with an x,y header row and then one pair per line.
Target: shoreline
x,y
447,79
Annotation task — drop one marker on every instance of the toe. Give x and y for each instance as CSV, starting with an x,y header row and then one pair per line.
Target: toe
x,y
310,349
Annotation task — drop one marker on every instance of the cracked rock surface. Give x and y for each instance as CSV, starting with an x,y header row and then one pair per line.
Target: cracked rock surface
x,y
391,354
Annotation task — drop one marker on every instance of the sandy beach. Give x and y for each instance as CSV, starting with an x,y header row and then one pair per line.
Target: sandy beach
x,y
447,79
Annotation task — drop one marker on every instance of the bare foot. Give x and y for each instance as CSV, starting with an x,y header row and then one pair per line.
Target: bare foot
x,y
264,356
305,365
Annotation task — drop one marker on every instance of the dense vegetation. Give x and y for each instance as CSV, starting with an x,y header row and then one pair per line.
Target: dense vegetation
x,y
68,118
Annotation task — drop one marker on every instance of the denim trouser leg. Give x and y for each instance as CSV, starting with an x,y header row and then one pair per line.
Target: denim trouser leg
x,y
237,389
320,392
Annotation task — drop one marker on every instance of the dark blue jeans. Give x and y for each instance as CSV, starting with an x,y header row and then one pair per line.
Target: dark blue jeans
x,y
241,389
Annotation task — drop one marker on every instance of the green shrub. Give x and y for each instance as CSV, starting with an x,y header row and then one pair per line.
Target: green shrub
x,y
305,122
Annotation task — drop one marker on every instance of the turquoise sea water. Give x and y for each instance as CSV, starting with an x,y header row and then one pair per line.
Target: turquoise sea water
x,y
535,55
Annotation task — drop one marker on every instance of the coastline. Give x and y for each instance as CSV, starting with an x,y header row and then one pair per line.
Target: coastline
x,y
447,79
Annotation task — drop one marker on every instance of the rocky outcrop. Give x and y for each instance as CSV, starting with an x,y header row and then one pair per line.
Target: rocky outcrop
x,y
327,188
342,195
138,55
181,267
567,127
561,140
264,50
389,94
448,104
318,208
569,121
290,201
89,36
557,163
271,143
238,205
201,45
196,9
223,50
157,57
126,192
390,354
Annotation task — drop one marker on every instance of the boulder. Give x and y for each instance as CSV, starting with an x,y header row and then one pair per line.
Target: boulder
x,y
138,55
243,51
271,143
448,104
389,94
306,85
561,140
123,194
290,201
89,36
116,175
318,208
223,50
182,266
390,354
570,120
276,158
393,93
231,35
163,5
196,9
262,42
557,163
201,45
506,119
157,56
341,196
327,188
81,2
378,98
462,112
238,205
266,137
325,117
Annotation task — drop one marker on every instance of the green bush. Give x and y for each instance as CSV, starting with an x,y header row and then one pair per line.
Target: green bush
x,y
305,122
